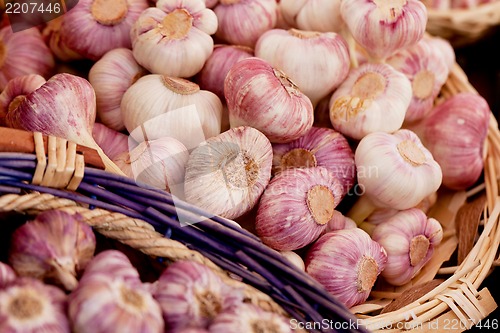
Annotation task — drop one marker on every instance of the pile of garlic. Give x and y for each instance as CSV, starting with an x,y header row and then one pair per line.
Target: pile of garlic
x,y
55,283
269,111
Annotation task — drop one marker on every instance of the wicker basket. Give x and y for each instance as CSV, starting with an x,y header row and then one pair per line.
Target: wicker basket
x,y
440,298
464,26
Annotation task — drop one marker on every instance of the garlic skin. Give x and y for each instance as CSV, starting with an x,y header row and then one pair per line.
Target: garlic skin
x,y
249,318
241,22
294,259
396,170
54,247
107,304
159,163
265,98
296,207
23,53
113,143
157,106
460,156
91,29
7,275
15,91
305,56
427,71
110,77
112,263
383,27
321,147
373,98
174,38
444,47
409,238
313,15
28,305
227,174
191,295
212,75
52,36
347,263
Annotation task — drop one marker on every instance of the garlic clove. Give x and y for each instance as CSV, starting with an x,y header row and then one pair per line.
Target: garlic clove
x,y
265,98
306,56
409,238
55,247
395,170
247,317
110,77
227,174
15,92
460,156
107,304
242,22
28,305
23,53
347,263
318,147
294,259
296,207
113,143
313,15
91,29
212,75
7,275
191,295
159,163
373,98
444,47
112,263
427,71
174,38
383,27
157,106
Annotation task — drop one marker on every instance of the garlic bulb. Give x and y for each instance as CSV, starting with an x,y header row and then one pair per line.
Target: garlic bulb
x,y
249,318
296,207
158,106
373,98
174,38
241,22
444,47
313,15
339,222
28,305
383,27
191,295
395,171
227,174
55,247
294,259
7,275
52,36
459,155
322,147
306,56
265,98
91,29
108,304
159,163
112,263
15,91
427,71
212,75
409,238
23,53
347,263
113,143
111,76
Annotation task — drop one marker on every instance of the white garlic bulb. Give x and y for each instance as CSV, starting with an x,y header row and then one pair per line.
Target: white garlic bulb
x,y
157,106
313,15
227,174
373,98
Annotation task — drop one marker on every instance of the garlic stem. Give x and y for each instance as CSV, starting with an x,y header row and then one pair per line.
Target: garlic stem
x,y
361,209
65,276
